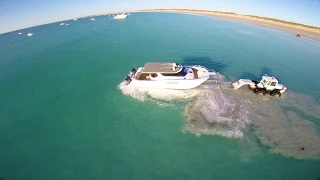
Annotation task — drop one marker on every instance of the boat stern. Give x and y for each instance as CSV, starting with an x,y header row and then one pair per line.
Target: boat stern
x,y
201,72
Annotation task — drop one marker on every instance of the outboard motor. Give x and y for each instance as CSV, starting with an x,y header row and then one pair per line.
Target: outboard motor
x,y
132,72
127,80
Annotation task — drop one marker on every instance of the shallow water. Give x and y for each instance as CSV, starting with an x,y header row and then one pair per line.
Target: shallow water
x,y
223,111
64,113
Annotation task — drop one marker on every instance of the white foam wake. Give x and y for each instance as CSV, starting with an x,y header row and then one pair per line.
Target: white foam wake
x,y
210,112
163,97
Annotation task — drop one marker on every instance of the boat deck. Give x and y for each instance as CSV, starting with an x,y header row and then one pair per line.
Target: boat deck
x,y
160,67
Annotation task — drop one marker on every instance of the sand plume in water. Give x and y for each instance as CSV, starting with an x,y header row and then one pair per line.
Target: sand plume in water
x,y
223,111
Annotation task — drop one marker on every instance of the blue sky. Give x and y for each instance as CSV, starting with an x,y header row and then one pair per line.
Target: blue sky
x,y
19,14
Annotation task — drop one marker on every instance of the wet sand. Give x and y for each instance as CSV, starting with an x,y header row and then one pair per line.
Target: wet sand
x,y
289,28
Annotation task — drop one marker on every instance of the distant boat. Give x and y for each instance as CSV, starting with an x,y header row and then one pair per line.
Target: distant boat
x,y
92,19
120,16
67,24
30,34
61,24
75,19
19,33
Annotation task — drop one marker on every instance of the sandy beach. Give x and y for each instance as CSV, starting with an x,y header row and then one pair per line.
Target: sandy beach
x,y
311,33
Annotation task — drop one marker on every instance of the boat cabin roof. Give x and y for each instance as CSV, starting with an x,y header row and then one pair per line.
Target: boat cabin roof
x,y
162,67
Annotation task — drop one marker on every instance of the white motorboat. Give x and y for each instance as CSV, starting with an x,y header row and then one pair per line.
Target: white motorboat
x,y
75,19
93,19
19,33
61,24
120,16
29,34
167,75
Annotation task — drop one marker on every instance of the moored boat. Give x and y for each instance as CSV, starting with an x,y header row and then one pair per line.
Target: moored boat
x,y
120,16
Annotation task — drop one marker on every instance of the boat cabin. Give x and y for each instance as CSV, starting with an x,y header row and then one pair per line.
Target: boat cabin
x,y
165,70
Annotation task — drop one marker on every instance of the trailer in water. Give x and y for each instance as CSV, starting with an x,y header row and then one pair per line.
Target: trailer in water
x,y
241,82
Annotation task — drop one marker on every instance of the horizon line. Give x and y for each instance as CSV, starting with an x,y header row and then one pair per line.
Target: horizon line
x,y
175,9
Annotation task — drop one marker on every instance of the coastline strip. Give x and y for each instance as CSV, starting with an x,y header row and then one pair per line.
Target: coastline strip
x,y
289,27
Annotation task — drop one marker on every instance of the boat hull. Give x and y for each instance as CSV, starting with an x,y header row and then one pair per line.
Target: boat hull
x,y
167,84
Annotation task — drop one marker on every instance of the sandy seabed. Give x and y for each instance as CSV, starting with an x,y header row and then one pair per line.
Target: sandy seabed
x,y
282,124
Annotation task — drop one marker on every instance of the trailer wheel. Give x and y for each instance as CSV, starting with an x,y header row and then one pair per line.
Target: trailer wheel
x,y
256,91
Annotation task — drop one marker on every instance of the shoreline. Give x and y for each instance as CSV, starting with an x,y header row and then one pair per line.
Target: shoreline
x,y
308,32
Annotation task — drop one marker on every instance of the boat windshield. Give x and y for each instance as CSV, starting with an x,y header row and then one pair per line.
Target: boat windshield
x,y
182,73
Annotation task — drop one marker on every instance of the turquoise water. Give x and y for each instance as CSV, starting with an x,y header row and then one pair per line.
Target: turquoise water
x,y
65,115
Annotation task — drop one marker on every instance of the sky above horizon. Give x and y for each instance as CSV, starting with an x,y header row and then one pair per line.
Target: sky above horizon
x,y
20,14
